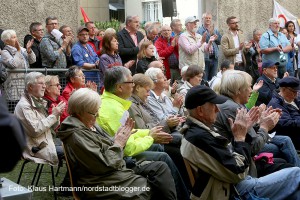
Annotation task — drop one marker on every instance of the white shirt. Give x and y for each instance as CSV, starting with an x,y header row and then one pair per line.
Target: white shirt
x,y
238,57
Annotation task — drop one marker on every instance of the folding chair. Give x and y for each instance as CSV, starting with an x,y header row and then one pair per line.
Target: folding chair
x,y
190,171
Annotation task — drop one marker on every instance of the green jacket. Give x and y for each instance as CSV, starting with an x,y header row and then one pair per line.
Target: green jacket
x,y
95,161
114,112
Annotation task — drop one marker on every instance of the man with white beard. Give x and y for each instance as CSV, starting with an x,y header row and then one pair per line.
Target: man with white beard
x,y
192,45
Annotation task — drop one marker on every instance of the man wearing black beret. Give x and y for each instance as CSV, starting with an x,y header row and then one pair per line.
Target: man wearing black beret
x,y
288,101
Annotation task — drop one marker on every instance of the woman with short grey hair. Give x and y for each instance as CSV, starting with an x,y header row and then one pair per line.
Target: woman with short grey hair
x,y
32,78
15,57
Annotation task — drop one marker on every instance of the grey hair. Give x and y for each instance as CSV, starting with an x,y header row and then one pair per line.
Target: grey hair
x,y
233,81
50,18
7,34
152,73
49,78
114,76
31,78
83,100
173,22
110,31
205,14
129,19
255,31
273,20
152,28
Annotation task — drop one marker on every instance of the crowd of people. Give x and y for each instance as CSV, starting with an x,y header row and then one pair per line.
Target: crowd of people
x,y
157,107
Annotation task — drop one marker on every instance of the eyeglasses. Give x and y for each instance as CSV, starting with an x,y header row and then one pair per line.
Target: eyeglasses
x,y
293,91
81,76
39,30
84,34
57,85
129,82
94,114
272,68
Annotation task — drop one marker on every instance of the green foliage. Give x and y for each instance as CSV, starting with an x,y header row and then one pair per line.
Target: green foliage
x,y
107,24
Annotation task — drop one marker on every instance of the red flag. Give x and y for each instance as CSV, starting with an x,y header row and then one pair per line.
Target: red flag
x,y
84,15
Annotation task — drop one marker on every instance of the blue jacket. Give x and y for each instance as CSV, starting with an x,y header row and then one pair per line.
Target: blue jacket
x,y
289,122
265,92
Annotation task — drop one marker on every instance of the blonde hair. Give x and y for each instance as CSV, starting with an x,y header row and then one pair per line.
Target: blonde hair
x,y
144,46
233,81
142,80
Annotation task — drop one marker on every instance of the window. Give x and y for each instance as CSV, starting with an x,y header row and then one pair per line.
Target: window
x,y
152,11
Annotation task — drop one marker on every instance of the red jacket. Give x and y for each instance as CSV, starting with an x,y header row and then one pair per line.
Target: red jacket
x,y
52,103
165,51
94,47
67,91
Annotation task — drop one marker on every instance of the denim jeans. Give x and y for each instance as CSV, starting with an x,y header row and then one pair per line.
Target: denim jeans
x,y
181,190
282,147
211,68
283,184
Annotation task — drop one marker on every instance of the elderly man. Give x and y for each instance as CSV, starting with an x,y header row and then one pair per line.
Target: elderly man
x,y
275,46
94,41
167,48
84,55
118,85
52,48
288,101
176,27
38,125
270,79
129,39
36,33
233,44
67,31
192,45
222,162
210,57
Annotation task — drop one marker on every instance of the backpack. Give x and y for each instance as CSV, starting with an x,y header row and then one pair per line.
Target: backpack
x,y
3,72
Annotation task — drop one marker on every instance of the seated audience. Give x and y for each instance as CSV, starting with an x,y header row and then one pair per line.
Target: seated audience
x,y
52,95
218,163
96,158
288,101
38,125
162,106
15,57
236,85
193,76
145,56
75,80
110,56
118,85
182,73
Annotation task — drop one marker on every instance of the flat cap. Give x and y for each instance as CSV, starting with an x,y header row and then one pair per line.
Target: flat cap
x,y
291,82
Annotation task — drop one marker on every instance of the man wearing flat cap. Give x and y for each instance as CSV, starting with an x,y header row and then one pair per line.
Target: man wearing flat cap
x,y
192,45
219,163
84,55
288,101
270,79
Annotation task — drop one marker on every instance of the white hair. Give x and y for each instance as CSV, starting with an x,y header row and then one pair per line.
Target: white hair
x,y
83,100
183,69
7,34
32,78
273,20
152,73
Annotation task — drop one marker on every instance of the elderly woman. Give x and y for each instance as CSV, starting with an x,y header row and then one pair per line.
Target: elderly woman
x,y
193,76
110,56
76,80
52,95
236,85
15,57
145,56
96,158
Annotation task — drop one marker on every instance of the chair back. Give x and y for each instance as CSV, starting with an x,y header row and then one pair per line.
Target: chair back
x,y
190,171
75,195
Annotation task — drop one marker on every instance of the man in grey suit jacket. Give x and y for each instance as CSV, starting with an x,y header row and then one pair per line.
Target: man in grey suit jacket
x,y
130,40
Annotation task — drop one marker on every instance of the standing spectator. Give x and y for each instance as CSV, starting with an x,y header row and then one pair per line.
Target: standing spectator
x,y
210,57
130,39
176,26
152,32
15,57
52,48
232,44
192,45
292,55
94,40
67,31
36,33
2,45
167,48
84,56
38,125
145,56
275,46
110,56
